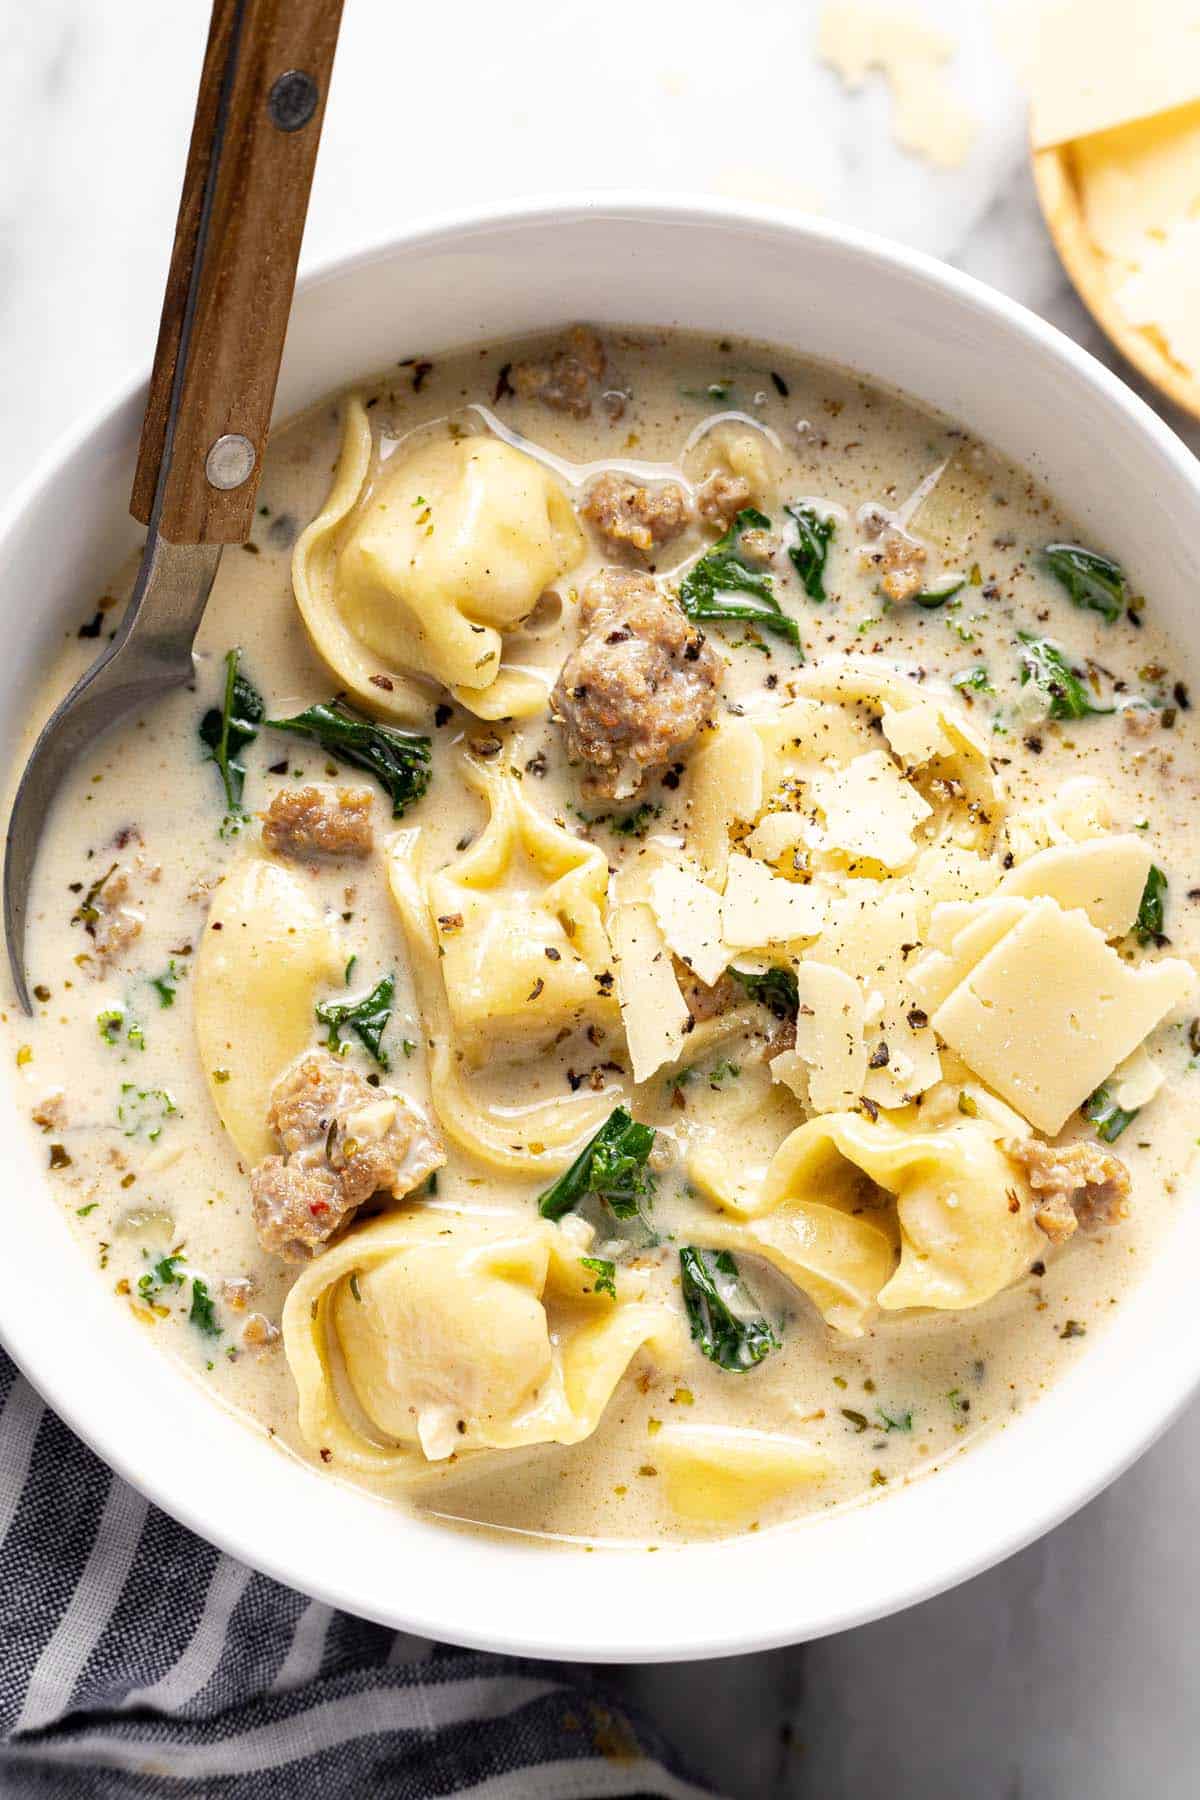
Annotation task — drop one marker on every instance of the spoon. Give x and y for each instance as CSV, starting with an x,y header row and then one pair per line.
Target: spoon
x,y
229,291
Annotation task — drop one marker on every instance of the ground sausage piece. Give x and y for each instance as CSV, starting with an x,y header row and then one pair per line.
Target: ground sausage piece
x,y
625,513
108,921
342,1141
721,498
309,822
258,1333
637,688
1073,1184
564,382
899,558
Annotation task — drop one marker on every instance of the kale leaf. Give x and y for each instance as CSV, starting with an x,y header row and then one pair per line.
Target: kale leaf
x,y
939,591
723,585
367,1017
775,989
1093,581
807,555
1150,913
399,760
724,1321
225,731
1103,1112
611,1165
203,1314
1065,695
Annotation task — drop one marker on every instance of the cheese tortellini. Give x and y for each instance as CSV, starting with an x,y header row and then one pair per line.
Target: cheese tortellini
x,y
266,954
432,1334
415,570
964,1213
509,950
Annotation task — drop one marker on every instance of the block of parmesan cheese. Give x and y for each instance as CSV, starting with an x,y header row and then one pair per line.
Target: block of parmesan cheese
x,y
1048,1013
1096,64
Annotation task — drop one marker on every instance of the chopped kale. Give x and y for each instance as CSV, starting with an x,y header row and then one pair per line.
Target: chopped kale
x,y
611,1165
1065,695
605,1273
87,912
938,592
166,985
203,1314
1151,909
895,1420
807,555
977,679
725,1321
723,585
775,989
367,1017
1093,581
1103,1112
226,730
165,1274
399,760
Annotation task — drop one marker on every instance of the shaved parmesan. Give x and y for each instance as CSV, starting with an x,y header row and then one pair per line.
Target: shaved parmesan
x,y
874,935
776,836
916,736
829,1036
1104,878
928,118
870,810
689,917
653,1010
1136,1082
760,908
1047,1014
726,790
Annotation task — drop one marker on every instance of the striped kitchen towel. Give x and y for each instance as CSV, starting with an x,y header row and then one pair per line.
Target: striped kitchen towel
x,y
136,1660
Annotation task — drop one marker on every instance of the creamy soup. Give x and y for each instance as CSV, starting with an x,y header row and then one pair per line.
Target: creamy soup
x,y
646,990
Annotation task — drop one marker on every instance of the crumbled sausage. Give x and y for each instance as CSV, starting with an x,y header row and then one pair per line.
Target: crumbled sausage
x,y
564,381
722,497
51,1111
638,686
1073,1184
236,1290
258,1333
626,513
1139,721
342,1141
901,561
309,822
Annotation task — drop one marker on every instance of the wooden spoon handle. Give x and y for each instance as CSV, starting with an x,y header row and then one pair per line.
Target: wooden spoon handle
x,y
229,287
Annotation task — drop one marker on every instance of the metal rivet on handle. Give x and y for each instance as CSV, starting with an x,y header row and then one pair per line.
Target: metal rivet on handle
x,y
230,461
292,100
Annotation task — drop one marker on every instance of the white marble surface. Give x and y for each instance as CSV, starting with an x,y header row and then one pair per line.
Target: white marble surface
x,y
1069,1671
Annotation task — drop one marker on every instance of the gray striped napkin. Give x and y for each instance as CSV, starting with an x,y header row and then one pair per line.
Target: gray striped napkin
x,y
136,1660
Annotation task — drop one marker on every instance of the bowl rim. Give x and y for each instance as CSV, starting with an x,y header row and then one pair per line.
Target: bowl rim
x,y
651,1639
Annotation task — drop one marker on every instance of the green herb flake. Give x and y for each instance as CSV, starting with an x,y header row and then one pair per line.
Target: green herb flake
x,y
166,986
977,680
83,1212
605,1273
724,585
1093,581
895,1421
367,1017
725,1322
400,761
807,555
109,1024
776,989
164,1275
859,1420
1151,911
939,591
142,1112
612,1165
225,732
354,1287
203,1314
1044,664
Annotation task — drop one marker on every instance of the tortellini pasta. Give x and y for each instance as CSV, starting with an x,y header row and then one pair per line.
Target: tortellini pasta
x,y
266,954
509,950
434,1334
739,447
416,576
965,1215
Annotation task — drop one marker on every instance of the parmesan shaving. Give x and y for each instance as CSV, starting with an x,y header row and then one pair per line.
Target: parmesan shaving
x,y
1104,878
829,1037
761,909
870,810
1047,1014
927,116
689,917
653,1010
916,736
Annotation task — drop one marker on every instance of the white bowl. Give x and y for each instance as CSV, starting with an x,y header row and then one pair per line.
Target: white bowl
x,y
821,290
